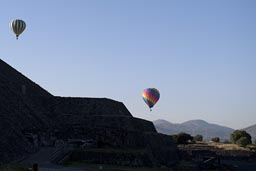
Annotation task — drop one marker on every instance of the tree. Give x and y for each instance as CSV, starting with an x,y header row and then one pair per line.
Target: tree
x,y
198,138
237,134
243,141
216,139
183,138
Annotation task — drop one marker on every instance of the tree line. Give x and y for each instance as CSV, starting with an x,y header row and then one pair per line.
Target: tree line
x,y
239,137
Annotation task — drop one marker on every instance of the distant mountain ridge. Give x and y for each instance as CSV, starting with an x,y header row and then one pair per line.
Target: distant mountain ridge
x,y
252,131
194,127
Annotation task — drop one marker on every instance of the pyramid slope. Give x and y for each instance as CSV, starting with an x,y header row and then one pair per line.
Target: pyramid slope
x,y
30,117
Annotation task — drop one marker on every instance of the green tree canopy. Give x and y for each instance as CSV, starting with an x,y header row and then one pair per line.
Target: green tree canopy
x,y
243,141
241,137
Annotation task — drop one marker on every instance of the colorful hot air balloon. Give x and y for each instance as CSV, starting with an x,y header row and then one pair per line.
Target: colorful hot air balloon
x,y
17,26
151,96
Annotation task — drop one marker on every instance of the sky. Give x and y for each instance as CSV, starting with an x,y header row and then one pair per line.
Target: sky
x,y
199,54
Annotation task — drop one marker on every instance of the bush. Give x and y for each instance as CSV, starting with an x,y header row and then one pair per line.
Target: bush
x,y
243,142
216,139
183,138
198,138
238,134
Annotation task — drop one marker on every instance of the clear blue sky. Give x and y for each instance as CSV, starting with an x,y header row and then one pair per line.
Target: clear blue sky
x,y
200,55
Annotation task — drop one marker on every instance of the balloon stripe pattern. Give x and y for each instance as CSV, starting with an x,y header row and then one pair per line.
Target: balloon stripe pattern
x,y
151,96
17,26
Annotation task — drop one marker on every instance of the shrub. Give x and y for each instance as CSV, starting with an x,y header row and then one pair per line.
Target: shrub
x,y
216,139
243,142
238,134
183,138
198,138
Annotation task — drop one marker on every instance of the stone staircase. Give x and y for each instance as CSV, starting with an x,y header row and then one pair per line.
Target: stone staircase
x,y
60,154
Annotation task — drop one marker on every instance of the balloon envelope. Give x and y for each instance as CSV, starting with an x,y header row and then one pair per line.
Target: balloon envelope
x,y
17,26
151,96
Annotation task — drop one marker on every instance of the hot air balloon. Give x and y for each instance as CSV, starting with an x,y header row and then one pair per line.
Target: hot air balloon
x,y
17,26
151,96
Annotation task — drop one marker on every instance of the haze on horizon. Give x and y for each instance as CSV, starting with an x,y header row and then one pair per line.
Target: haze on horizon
x,y
199,54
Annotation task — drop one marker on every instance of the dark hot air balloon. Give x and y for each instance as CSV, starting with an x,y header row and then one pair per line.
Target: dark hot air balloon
x,y
17,26
151,96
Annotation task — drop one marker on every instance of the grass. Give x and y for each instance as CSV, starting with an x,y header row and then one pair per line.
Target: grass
x,y
227,146
220,145
251,147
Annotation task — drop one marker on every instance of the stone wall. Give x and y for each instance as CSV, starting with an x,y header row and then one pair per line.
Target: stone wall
x,y
84,107
105,121
140,149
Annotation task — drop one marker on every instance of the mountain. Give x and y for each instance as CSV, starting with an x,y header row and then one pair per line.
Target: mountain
x,y
252,131
194,127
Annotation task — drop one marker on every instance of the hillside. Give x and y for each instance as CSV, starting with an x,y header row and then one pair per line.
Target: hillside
x,y
194,127
252,131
